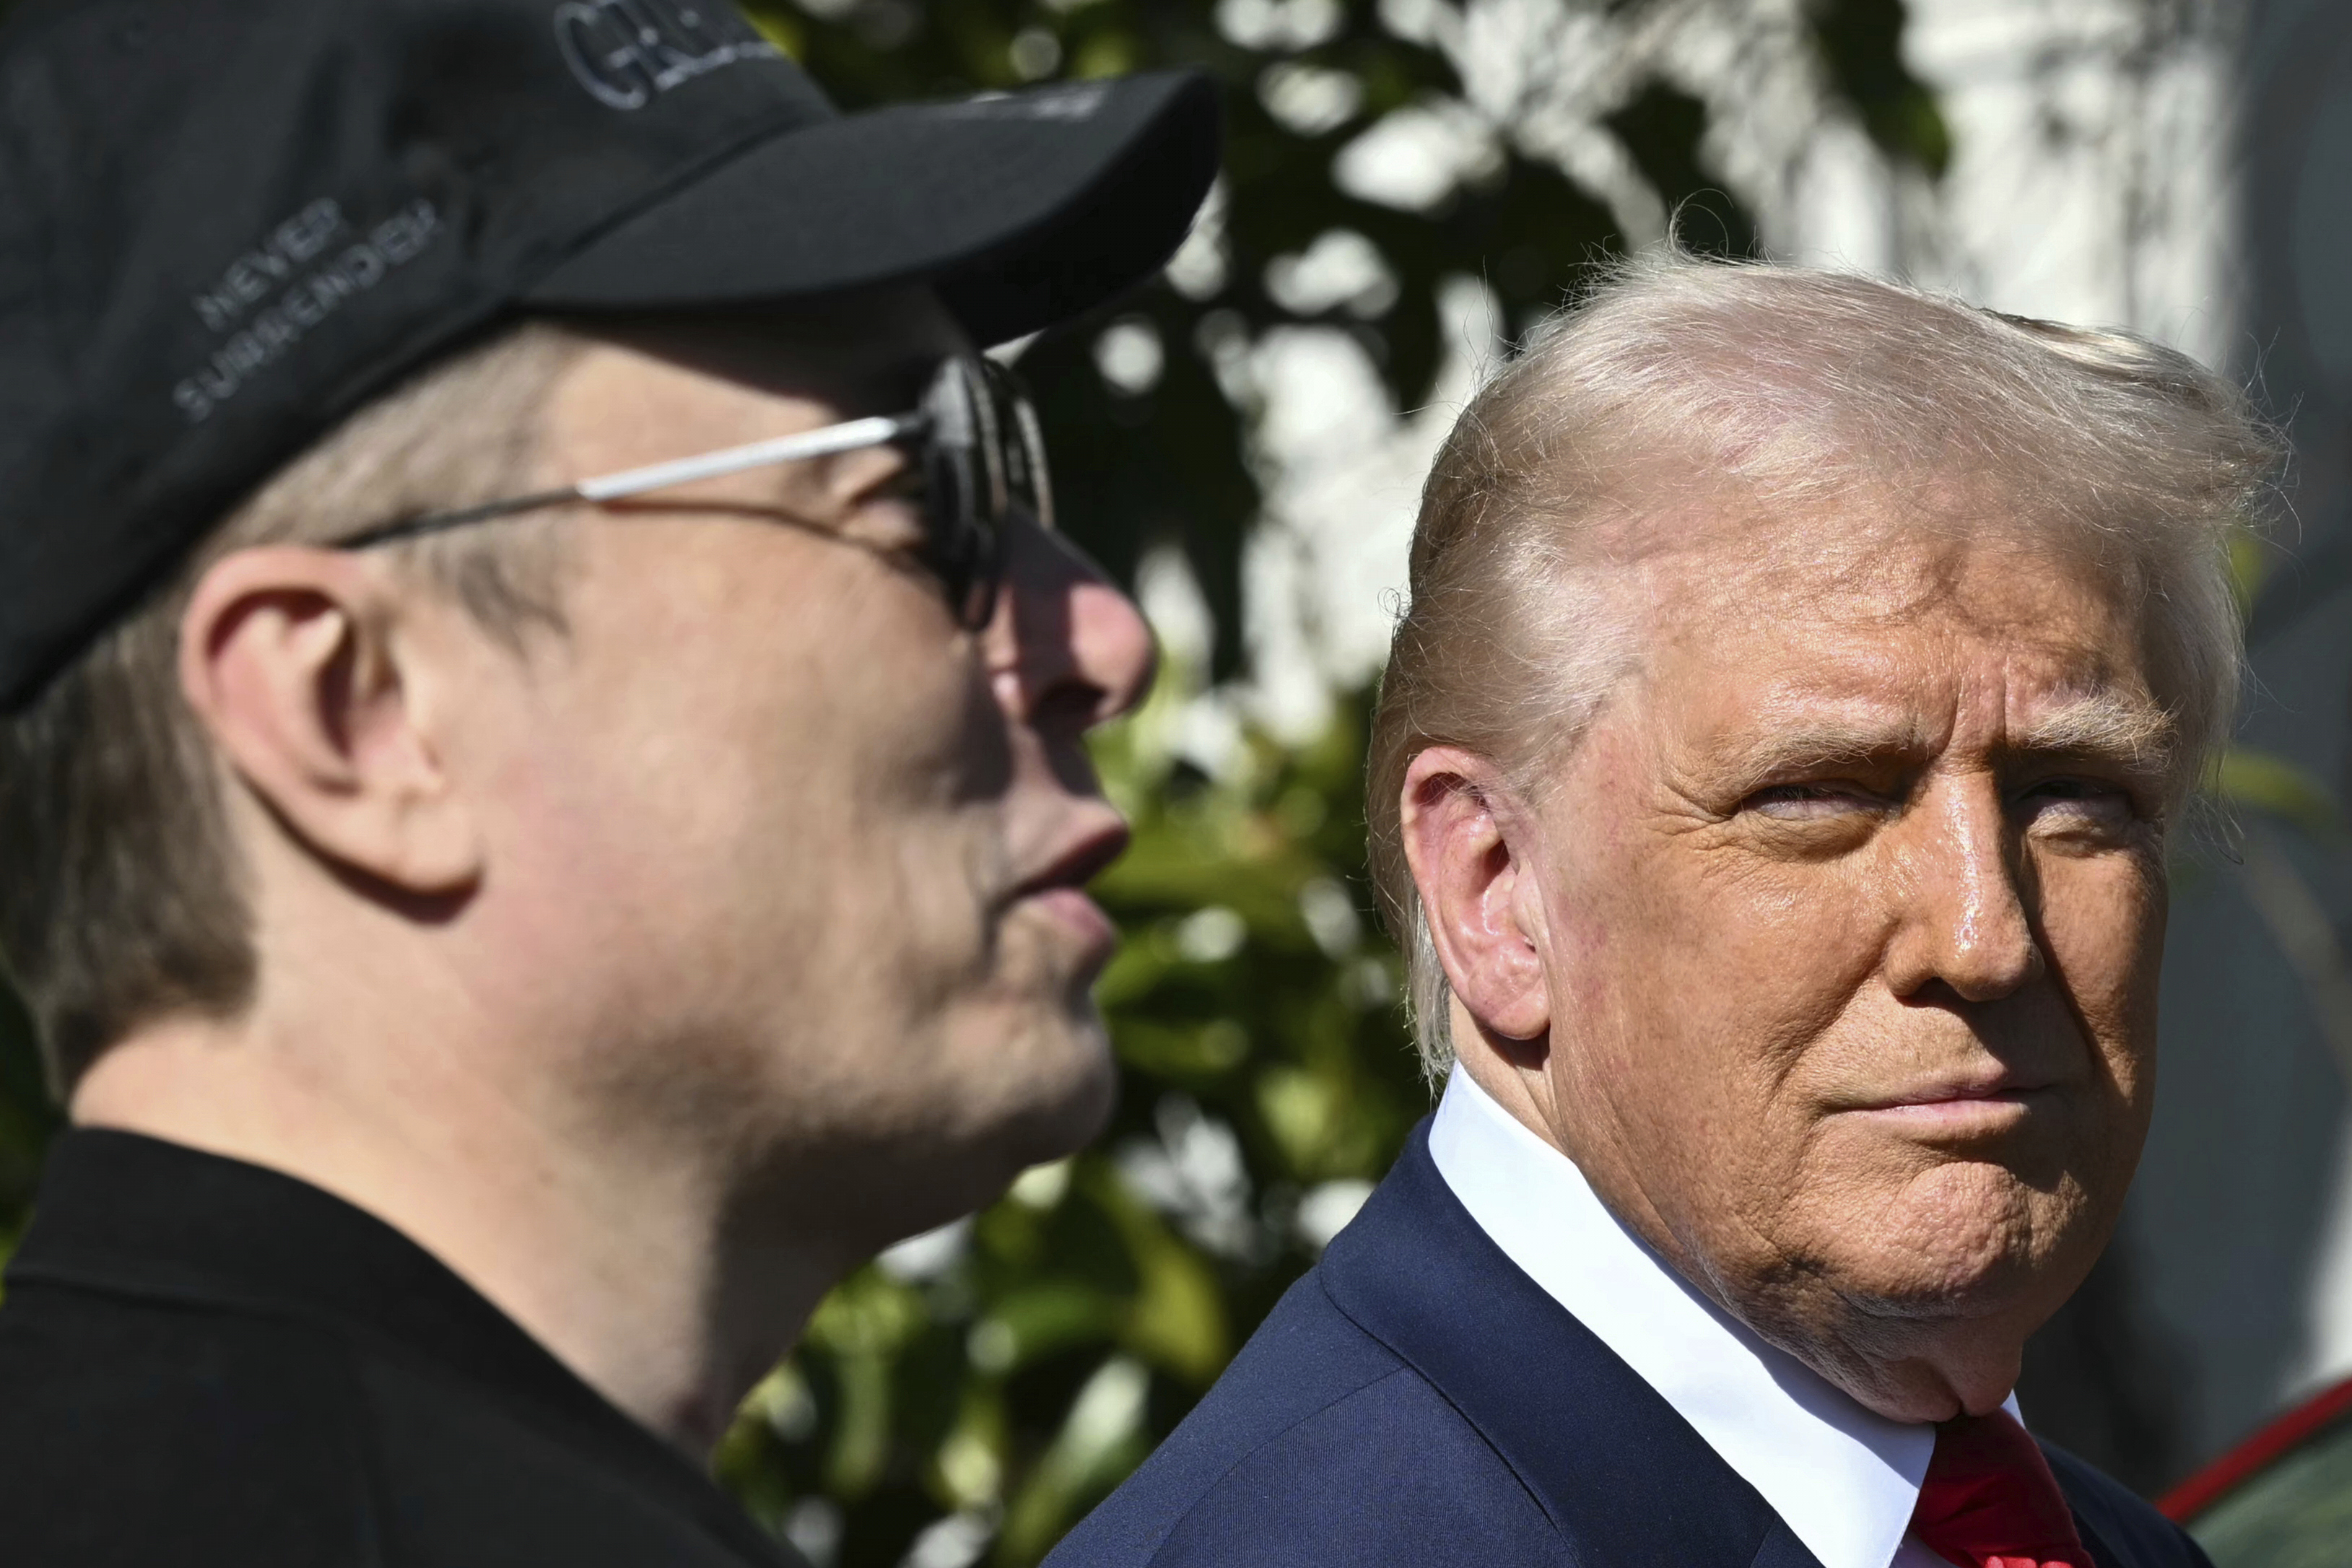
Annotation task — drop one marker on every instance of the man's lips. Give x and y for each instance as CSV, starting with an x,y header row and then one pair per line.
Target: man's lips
x,y
1983,1101
1059,890
1078,914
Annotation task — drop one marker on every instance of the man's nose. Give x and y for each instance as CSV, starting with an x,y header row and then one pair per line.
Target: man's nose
x,y
1066,647
1964,918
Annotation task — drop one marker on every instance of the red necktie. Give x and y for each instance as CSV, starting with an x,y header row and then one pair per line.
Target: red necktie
x,y
1990,1500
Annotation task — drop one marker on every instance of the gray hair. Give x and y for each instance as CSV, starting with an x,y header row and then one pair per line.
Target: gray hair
x,y
1793,386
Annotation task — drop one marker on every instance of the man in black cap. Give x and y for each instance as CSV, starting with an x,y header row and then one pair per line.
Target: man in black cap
x,y
540,793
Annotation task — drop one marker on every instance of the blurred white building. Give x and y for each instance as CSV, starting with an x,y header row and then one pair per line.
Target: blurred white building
x,y
2176,166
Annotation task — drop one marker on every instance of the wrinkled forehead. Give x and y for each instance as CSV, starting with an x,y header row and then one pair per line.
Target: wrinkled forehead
x,y
1961,547
1919,608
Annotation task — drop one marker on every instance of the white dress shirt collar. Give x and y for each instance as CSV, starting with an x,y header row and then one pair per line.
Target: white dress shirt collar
x,y
1844,1478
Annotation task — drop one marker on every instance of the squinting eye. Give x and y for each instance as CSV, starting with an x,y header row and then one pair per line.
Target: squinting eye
x,y
2085,800
890,523
1805,802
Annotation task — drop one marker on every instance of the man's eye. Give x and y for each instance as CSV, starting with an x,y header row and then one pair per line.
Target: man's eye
x,y
2079,803
890,523
1807,803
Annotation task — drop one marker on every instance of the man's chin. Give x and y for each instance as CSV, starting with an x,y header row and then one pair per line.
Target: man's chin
x,y
1027,1093
1073,1109
1976,1272
922,1169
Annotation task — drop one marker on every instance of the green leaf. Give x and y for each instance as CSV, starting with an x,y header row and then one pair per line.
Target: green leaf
x,y
2258,781
1177,1321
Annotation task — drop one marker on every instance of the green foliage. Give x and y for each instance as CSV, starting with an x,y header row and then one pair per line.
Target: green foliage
x,y
1861,42
1661,128
1168,463
2251,780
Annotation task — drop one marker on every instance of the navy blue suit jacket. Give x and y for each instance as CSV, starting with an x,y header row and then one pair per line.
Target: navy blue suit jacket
x,y
1417,1399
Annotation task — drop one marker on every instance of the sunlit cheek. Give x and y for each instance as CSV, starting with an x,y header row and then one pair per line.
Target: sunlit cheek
x,y
1792,1018
1720,948
1792,951
1709,1050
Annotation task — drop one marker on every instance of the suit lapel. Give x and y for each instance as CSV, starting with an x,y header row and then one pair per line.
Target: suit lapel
x,y
1619,1473
1781,1549
2104,1555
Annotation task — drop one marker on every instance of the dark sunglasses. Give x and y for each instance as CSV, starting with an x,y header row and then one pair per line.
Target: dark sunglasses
x,y
976,444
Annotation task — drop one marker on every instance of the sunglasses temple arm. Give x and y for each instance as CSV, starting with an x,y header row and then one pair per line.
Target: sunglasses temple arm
x,y
443,521
858,433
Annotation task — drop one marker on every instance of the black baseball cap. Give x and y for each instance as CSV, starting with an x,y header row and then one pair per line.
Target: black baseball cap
x,y
225,224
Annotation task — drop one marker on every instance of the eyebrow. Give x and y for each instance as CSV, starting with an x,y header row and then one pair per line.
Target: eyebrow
x,y
2103,726
2107,726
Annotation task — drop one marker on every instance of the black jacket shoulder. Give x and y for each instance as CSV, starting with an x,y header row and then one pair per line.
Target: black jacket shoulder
x,y
216,1439
206,1362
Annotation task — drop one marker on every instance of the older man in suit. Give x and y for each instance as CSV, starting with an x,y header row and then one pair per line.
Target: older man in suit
x,y
1803,682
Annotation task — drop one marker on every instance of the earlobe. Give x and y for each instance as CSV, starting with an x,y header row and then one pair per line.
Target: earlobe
x,y
289,657
1473,881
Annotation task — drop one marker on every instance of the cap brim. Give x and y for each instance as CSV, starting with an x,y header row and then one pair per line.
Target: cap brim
x,y
1022,209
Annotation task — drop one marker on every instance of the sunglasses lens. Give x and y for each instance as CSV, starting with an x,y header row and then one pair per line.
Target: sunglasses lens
x,y
957,549
984,458
1024,446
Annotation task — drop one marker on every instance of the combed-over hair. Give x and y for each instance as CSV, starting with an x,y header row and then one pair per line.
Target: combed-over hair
x,y
121,895
1794,387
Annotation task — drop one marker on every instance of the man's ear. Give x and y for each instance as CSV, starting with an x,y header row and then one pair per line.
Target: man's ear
x,y
291,660
1474,892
